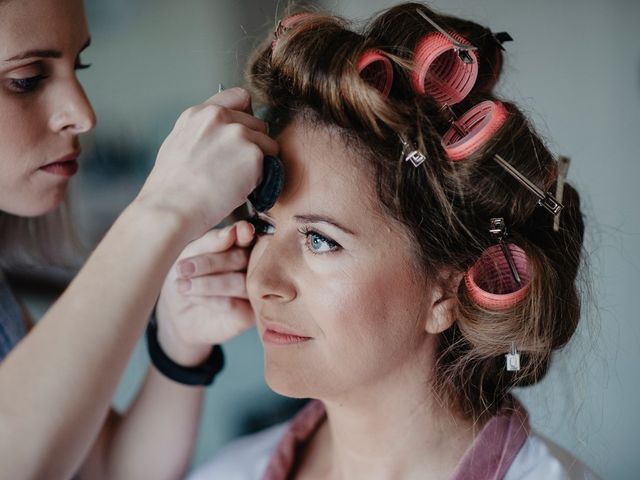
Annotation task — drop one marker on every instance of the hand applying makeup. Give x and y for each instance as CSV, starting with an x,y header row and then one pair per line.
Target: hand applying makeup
x,y
204,299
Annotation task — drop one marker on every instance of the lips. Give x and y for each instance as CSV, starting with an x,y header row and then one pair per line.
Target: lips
x,y
65,166
281,335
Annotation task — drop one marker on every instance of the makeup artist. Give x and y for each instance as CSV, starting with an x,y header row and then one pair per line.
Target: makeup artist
x,y
57,378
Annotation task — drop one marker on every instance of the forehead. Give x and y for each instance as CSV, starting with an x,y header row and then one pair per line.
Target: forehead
x,y
322,171
40,24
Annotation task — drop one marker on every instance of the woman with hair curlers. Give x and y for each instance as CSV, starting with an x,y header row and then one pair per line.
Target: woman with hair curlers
x,y
410,276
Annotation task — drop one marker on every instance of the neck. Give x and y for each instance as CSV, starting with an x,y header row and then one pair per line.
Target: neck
x,y
390,431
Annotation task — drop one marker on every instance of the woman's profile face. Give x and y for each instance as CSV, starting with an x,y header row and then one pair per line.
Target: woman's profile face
x,y
43,108
352,293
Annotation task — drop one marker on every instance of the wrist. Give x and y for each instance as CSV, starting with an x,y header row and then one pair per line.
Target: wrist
x,y
198,375
180,352
191,222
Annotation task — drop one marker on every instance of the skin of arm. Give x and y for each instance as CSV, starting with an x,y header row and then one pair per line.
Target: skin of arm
x,y
156,436
60,424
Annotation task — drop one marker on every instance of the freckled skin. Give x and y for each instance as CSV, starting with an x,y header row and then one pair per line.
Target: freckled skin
x,y
361,305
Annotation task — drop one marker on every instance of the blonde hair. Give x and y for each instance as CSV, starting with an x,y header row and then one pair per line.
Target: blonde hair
x,y
47,240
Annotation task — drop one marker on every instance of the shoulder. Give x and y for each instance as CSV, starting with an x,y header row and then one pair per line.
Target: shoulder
x,y
243,459
539,457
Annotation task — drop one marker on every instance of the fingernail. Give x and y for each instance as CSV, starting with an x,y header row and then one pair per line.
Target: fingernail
x,y
186,268
252,228
184,285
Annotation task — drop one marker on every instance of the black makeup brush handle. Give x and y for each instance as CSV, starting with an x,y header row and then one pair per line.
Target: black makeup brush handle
x,y
266,194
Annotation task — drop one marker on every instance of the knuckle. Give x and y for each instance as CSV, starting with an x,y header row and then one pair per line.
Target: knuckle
x,y
254,153
217,113
243,95
211,263
239,132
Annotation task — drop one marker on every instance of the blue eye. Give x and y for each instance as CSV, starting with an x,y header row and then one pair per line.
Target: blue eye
x,y
314,241
25,85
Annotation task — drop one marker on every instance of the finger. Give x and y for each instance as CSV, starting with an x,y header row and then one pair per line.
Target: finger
x,y
216,240
267,144
248,121
235,98
231,260
231,284
239,317
211,328
245,233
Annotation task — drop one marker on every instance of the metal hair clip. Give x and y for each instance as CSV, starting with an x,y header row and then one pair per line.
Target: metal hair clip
x,y
563,169
411,153
545,200
513,359
460,48
498,229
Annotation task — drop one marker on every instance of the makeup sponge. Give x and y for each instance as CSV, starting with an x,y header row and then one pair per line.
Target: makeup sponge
x,y
266,194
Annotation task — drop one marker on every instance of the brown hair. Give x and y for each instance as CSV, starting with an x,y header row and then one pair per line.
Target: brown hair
x,y
444,206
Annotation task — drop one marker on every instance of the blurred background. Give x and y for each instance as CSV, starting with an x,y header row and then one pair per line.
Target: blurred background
x,y
574,67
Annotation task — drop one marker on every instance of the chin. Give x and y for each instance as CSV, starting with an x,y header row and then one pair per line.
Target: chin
x,y
43,205
288,383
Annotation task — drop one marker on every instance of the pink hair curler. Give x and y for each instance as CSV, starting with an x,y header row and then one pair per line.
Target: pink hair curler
x,y
475,128
439,70
375,68
491,283
286,24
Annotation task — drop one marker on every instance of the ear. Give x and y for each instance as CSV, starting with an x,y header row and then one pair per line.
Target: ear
x,y
443,303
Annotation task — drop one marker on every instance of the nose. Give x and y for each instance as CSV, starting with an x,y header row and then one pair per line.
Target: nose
x,y
270,272
73,112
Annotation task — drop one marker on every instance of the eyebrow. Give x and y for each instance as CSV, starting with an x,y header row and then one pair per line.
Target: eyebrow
x,y
314,218
43,53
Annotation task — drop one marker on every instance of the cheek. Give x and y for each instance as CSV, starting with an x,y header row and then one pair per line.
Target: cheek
x,y
371,311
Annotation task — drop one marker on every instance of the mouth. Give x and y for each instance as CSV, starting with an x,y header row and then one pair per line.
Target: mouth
x,y
65,166
281,335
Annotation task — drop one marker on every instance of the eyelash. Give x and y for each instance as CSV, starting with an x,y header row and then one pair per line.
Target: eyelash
x,y
257,222
30,84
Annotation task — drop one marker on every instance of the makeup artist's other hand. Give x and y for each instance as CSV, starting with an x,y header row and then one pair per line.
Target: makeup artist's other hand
x,y
210,162
204,297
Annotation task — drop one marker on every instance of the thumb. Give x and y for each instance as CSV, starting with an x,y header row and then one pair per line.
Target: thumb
x,y
235,98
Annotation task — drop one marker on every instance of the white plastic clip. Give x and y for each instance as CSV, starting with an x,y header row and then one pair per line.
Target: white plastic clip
x,y
513,359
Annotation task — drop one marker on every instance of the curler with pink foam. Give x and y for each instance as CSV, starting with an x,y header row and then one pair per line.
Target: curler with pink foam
x,y
474,129
376,69
287,24
491,283
440,72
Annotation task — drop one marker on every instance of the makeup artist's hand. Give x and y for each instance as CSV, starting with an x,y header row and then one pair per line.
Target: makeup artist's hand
x,y
210,162
204,297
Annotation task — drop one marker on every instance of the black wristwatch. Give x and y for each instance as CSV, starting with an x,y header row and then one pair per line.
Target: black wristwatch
x,y
202,374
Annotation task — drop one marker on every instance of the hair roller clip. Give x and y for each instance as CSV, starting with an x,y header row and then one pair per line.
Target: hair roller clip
x,y
473,129
411,154
563,169
500,38
376,69
287,24
513,359
500,278
545,199
445,65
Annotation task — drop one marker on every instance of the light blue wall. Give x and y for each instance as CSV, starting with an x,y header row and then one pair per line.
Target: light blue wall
x,y
574,66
